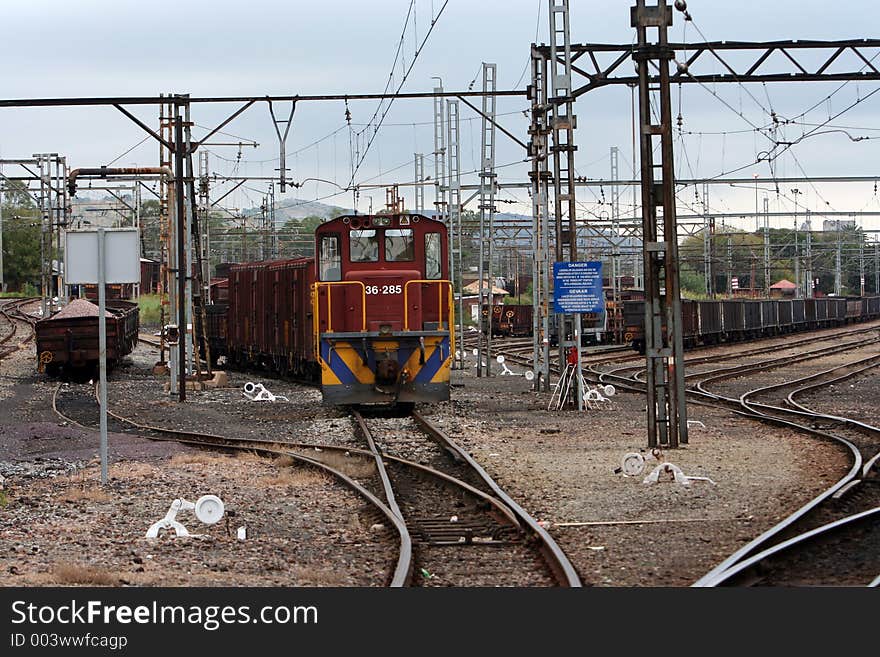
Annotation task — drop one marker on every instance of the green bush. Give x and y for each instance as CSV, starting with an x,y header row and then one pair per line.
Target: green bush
x,y
150,309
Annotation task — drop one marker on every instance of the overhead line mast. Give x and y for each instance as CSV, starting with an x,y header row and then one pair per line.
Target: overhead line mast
x,y
664,344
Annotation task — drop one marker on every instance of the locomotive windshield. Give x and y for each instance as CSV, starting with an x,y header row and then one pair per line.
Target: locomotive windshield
x,y
331,269
399,245
363,246
433,270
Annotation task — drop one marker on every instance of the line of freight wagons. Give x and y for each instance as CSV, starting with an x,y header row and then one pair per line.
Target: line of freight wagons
x,y
708,322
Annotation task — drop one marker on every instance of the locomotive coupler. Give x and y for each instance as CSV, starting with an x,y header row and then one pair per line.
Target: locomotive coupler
x,y
421,351
386,371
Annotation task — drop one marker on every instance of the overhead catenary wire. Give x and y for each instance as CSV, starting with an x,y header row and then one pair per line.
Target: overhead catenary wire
x,y
769,132
529,60
128,151
363,155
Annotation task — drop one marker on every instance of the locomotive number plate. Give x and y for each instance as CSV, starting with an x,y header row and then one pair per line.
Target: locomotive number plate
x,y
384,289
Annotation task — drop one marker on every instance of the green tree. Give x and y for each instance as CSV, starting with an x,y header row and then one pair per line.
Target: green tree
x,y
692,284
151,233
746,250
21,237
297,236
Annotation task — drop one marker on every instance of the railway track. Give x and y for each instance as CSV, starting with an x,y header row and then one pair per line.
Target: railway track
x,y
833,539
503,527
520,351
636,372
791,356
151,340
465,530
490,530
82,410
592,356
12,311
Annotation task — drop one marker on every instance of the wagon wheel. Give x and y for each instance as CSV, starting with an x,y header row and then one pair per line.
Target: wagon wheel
x,y
45,358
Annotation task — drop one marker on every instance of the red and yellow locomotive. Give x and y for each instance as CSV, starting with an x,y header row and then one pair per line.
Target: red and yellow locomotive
x,y
369,316
382,309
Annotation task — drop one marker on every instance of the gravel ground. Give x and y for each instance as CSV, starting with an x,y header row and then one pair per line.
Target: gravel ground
x,y
304,529
857,398
561,466
59,527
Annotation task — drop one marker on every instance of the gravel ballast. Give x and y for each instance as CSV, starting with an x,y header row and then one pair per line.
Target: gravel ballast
x,y
304,529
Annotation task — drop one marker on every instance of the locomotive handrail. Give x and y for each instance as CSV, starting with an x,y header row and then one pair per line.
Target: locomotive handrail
x,y
452,321
317,319
439,283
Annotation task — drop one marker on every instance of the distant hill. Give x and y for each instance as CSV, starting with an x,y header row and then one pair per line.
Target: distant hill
x,y
299,209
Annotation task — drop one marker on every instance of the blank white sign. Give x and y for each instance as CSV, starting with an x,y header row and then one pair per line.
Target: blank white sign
x,y
122,256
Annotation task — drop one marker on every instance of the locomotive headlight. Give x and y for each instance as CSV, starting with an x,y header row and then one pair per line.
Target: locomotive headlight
x,y
382,221
384,329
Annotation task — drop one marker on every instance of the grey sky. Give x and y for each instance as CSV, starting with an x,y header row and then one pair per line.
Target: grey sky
x,y
224,47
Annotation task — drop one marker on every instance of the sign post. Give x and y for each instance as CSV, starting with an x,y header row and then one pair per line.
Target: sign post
x,y
102,349
105,255
577,289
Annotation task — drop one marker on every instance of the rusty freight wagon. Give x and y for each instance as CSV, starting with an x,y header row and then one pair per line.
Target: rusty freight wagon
x,y
269,318
512,320
369,317
67,342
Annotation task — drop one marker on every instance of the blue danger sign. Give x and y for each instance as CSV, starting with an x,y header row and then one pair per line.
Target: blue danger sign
x,y
577,288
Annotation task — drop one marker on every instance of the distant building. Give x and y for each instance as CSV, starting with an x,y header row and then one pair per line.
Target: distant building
x,y
831,225
471,298
150,272
784,289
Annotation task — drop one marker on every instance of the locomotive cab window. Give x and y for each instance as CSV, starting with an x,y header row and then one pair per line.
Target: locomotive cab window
x,y
331,265
433,269
399,245
363,245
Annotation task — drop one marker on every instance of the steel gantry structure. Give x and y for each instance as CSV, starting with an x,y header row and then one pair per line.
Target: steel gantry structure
x,y
48,171
559,78
664,351
179,196
657,68
485,278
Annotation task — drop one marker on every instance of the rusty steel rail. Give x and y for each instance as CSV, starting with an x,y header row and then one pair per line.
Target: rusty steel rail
x,y
149,340
632,382
755,551
311,453
727,372
741,570
755,410
273,448
700,360
556,559
375,453
12,311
